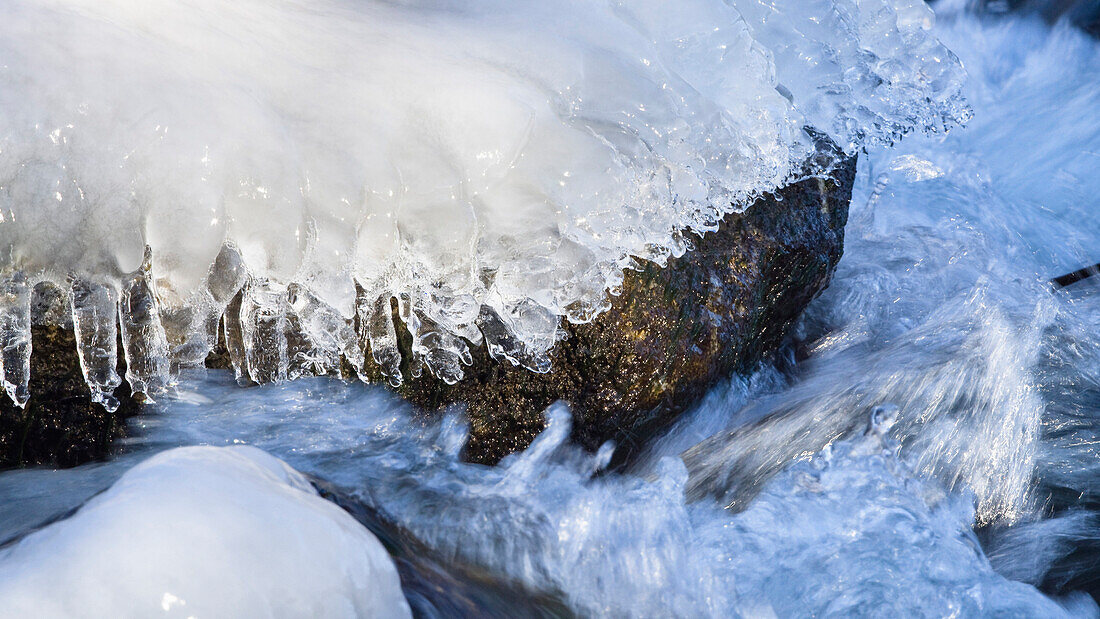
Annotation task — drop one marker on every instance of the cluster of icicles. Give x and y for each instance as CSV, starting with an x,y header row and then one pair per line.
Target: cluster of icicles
x,y
271,332
490,166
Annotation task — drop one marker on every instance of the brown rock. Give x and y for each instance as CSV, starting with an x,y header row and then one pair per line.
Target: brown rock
x,y
670,335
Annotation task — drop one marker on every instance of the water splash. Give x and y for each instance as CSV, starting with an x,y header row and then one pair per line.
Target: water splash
x,y
853,523
942,304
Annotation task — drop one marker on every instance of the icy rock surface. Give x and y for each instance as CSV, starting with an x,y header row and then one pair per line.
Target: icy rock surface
x,y
202,531
493,166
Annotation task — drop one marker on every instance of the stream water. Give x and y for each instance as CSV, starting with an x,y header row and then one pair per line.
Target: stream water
x,y
928,444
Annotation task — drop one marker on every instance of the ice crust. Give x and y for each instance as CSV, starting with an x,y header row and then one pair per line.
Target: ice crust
x,y
203,531
492,166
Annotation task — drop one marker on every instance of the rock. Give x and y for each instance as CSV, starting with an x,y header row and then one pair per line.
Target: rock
x,y
670,335
60,426
439,584
1083,14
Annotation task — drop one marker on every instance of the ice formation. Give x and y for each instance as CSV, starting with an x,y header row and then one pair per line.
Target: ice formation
x,y
202,531
295,169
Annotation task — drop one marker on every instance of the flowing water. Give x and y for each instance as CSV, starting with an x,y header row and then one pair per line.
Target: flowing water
x,y
928,444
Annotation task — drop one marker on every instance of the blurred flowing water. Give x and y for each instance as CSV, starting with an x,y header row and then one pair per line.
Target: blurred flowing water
x,y
929,443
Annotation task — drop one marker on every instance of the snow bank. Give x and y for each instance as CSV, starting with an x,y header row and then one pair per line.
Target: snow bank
x,y
203,531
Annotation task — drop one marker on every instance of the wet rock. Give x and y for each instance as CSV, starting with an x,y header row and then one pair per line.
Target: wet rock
x,y
669,336
1084,14
438,586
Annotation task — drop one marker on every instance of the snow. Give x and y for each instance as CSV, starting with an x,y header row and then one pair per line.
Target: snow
x,y
203,531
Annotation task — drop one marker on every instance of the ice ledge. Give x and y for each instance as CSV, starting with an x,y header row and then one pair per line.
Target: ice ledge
x,y
669,333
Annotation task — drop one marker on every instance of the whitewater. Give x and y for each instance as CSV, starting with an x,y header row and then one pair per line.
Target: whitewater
x,y
928,444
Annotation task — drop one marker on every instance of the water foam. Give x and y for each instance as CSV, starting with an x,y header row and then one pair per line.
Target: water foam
x,y
942,303
852,529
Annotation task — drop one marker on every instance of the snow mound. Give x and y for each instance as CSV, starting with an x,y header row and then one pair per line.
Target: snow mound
x,y
203,531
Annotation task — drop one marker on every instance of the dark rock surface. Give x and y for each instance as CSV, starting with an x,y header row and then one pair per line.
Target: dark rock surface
x,y
670,335
437,586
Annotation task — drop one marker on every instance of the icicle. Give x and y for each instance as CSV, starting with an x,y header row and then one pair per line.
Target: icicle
x,y
502,344
304,356
192,328
412,326
94,324
377,331
310,351
15,337
143,339
187,336
443,352
323,335
234,338
263,319
227,277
